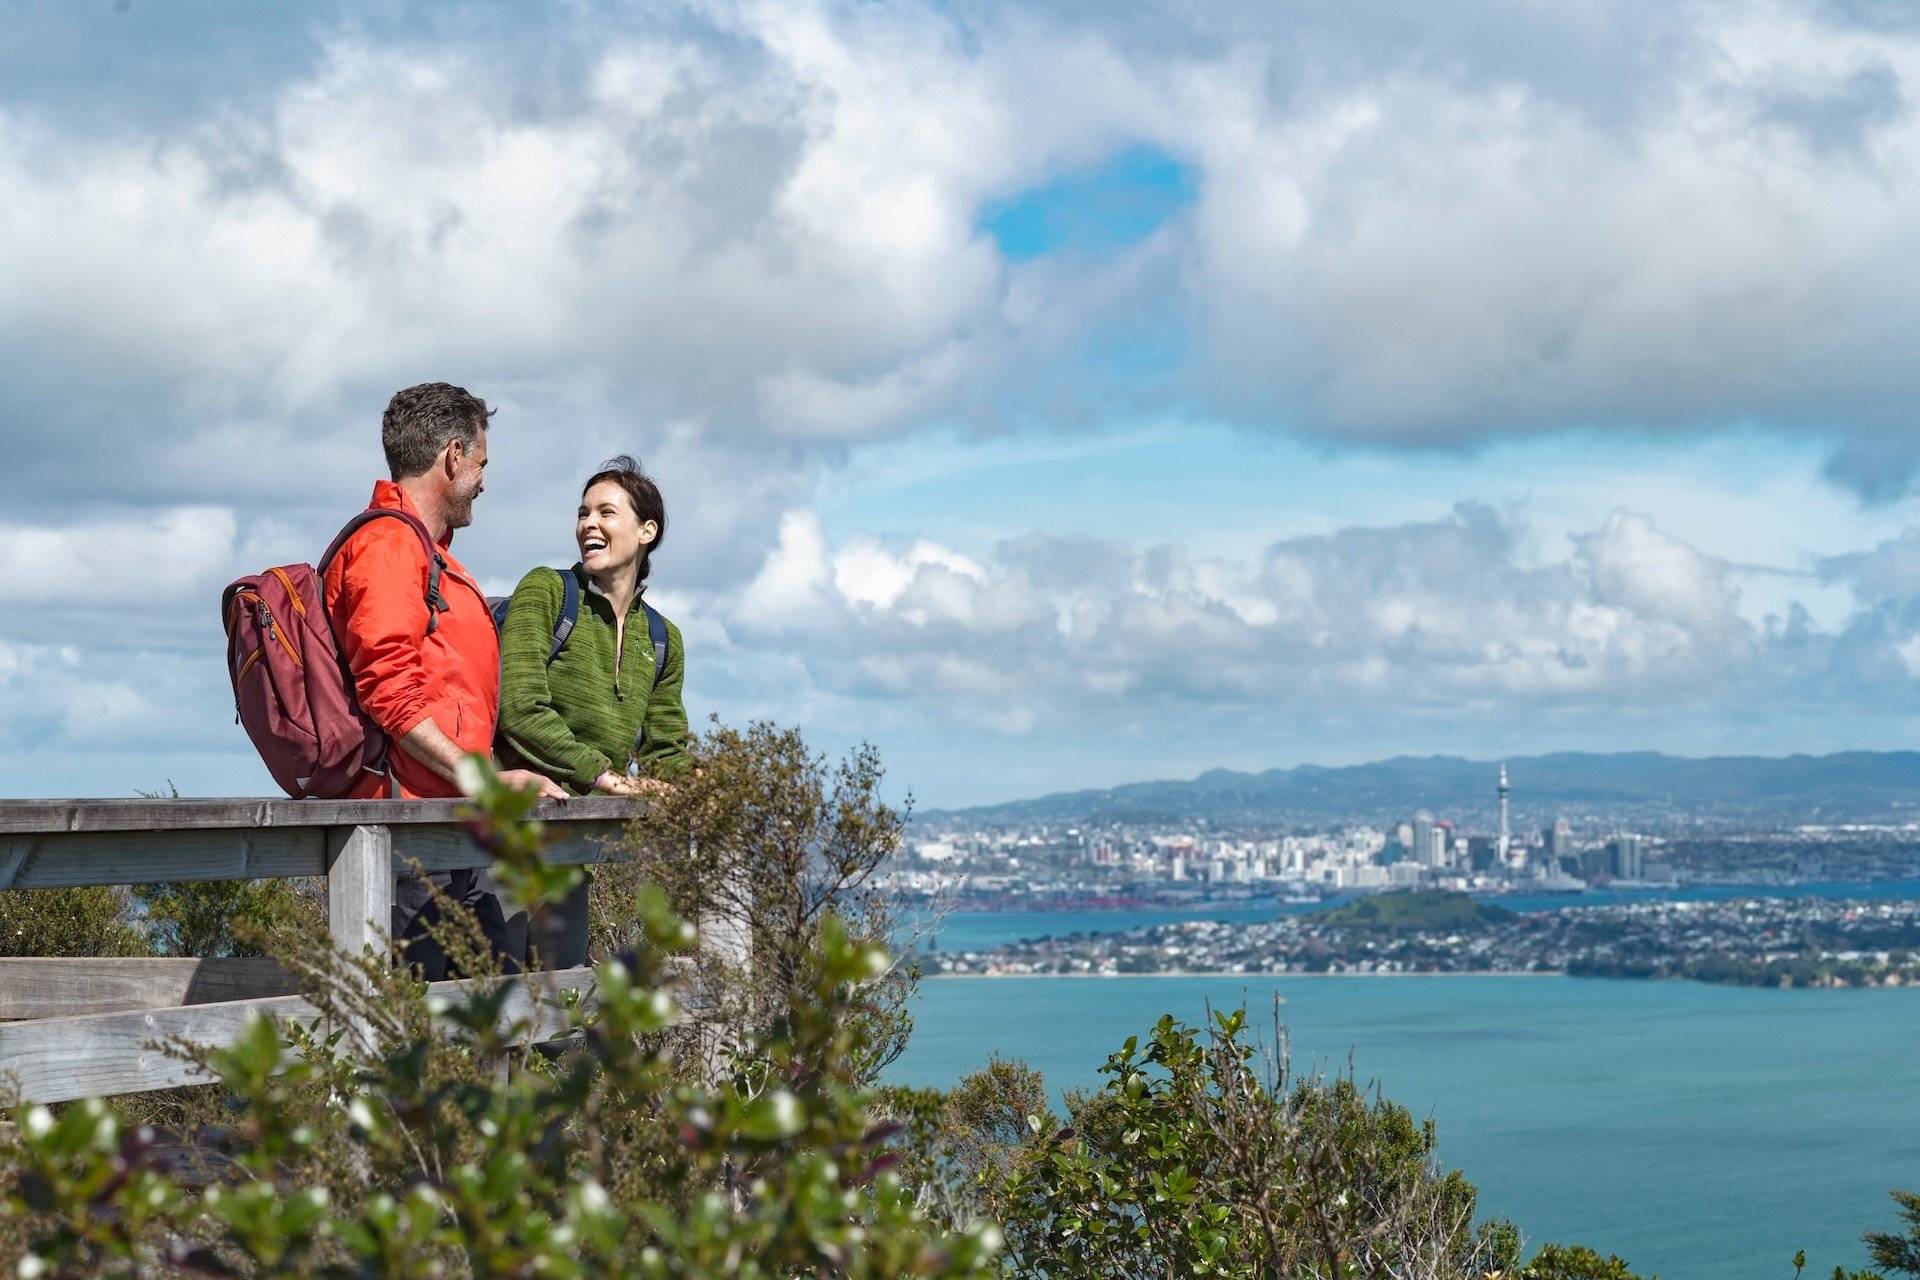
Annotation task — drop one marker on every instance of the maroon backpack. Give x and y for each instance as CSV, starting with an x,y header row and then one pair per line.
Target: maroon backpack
x,y
291,686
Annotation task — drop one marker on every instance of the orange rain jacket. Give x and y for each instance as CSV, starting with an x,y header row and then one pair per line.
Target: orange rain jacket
x,y
376,594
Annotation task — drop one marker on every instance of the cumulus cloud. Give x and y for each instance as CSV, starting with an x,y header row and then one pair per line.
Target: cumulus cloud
x,y
1437,252
764,219
121,696
1433,616
1369,637
138,558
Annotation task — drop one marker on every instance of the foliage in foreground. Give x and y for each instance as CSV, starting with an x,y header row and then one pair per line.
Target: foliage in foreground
x,y
759,843
1194,1160
402,1139
1899,1253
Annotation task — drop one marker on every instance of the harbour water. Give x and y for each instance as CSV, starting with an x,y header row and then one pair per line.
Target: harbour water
x,y
1701,1132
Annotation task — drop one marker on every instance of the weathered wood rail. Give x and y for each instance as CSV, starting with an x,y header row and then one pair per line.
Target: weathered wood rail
x,y
85,1024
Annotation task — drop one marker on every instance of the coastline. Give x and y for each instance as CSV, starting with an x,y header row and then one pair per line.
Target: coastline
x,y
1219,973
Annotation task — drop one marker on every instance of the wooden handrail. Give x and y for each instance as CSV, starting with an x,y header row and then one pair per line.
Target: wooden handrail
x,y
104,842
30,817
358,845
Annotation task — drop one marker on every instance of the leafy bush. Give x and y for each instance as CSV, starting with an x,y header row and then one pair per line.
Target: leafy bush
x,y
1575,1262
762,842
90,921
1193,1160
227,917
1899,1253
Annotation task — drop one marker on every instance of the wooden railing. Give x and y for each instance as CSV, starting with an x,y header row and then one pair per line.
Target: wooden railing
x,y
87,1027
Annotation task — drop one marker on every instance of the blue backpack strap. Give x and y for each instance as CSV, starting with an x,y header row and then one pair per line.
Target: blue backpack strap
x,y
657,633
569,612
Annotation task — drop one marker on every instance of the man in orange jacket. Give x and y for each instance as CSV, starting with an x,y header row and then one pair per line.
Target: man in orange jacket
x,y
427,674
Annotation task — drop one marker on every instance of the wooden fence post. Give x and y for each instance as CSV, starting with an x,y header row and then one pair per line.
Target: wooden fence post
x,y
359,887
727,933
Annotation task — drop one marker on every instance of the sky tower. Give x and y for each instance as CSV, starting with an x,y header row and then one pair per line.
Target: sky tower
x,y
1505,840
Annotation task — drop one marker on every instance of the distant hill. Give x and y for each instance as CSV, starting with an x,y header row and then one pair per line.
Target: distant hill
x,y
1411,912
1626,787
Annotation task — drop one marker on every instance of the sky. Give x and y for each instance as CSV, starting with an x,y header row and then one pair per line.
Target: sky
x,y
1053,395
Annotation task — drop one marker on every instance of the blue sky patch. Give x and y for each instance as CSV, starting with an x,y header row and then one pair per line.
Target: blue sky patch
x,y
1109,207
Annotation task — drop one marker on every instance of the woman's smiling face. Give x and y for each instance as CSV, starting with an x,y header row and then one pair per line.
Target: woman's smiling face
x,y
610,535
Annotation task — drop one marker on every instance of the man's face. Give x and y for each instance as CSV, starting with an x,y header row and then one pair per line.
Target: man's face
x,y
466,483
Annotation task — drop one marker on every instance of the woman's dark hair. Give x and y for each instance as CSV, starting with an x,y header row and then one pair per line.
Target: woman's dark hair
x,y
642,492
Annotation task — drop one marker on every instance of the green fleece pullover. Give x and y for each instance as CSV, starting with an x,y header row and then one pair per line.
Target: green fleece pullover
x,y
578,718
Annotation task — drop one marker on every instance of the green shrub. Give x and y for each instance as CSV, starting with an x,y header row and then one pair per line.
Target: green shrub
x,y
766,839
1899,1252
90,921
1193,1160
227,917
1575,1262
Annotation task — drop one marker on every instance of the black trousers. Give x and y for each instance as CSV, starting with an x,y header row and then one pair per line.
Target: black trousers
x,y
562,942
414,910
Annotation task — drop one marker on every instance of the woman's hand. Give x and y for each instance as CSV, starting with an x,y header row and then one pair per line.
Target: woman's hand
x,y
620,784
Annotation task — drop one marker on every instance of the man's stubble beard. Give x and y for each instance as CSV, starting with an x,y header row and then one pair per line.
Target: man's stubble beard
x,y
460,512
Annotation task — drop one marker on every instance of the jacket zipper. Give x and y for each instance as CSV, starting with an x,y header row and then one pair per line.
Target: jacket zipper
x,y
619,653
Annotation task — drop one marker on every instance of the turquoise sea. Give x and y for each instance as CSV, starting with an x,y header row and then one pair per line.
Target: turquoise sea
x,y
1701,1132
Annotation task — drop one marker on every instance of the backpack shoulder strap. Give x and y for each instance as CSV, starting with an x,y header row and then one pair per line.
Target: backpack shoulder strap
x,y
569,612
436,563
657,633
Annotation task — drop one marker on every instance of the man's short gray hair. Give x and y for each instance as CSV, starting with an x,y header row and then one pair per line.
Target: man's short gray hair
x,y
420,420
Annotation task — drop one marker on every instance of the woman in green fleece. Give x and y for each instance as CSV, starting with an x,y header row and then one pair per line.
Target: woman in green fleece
x,y
593,716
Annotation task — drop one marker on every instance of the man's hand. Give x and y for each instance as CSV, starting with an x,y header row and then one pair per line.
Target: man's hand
x,y
428,744
521,779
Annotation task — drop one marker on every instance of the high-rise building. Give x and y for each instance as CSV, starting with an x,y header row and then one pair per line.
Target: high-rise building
x,y
1423,839
1559,844
1623,857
